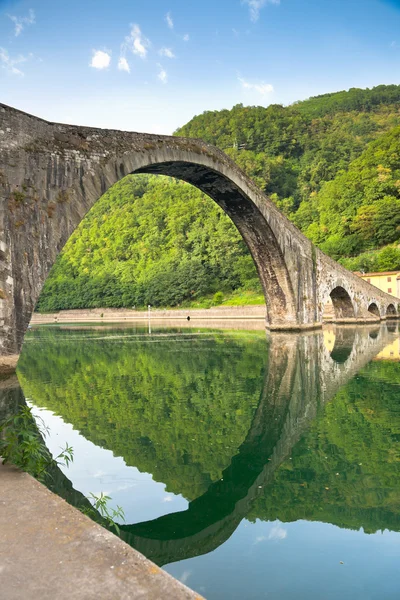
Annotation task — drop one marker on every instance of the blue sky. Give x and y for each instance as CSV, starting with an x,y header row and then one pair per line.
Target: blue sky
x,y
151,65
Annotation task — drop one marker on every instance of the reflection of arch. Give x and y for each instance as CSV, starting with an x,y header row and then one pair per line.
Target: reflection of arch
x,y
374,310
298,379
212,518
343,347
342,304
293,389
391,311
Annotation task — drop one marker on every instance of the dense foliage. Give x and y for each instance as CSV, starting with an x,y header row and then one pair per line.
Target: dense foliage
x,y
330,163
360,208
149,240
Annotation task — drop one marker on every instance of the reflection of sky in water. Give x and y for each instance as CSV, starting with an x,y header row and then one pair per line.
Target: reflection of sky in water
x,y
294,561
260,560
97,470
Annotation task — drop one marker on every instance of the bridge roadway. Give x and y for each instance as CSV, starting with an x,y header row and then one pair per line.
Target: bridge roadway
x,y
52,174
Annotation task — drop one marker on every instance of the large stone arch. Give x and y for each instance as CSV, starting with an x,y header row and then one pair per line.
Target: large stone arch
x,y
51,175
256,230
211,177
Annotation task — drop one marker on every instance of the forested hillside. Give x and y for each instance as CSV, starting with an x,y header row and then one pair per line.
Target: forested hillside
x,y
150,240
330,163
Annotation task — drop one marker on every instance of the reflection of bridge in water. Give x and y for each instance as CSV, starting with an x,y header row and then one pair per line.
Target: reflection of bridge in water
x,y
301,376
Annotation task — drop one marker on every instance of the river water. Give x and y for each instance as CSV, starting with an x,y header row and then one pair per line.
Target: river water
x,y
248,465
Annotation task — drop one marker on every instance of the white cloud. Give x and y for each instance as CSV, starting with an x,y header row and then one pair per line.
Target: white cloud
x,y
99,473
394,45
162,74
256,5
101,59
123,64
136,42
259,539
185,576
169,20
9,64
21,22
167,499
261,87
166,52
186,37
277,533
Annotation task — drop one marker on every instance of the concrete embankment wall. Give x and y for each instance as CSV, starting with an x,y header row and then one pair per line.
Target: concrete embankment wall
x,y
123,314
50,550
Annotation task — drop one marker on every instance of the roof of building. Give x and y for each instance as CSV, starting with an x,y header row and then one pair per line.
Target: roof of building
x,y
376,274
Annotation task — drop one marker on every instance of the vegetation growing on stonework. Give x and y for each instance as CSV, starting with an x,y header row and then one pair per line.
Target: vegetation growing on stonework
x,y
22,444
330,163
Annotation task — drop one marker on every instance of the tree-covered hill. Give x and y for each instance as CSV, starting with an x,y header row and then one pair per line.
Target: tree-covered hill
x,y
355,99
360,208
330,163
149,240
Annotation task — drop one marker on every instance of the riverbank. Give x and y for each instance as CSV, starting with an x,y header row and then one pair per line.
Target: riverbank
x,y
51,550
122,314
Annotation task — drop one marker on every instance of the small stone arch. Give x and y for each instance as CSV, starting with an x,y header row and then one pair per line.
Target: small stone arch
x,y
374,310
391,311
342,305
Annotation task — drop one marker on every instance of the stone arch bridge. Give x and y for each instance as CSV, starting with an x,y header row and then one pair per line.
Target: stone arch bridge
x,y
52,174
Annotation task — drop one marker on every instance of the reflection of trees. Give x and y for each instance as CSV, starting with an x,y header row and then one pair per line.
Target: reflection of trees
x,y
174,408
346,469
344,455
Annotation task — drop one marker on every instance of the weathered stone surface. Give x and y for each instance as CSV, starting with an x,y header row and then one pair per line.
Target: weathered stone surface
x,y
8,364
52,174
